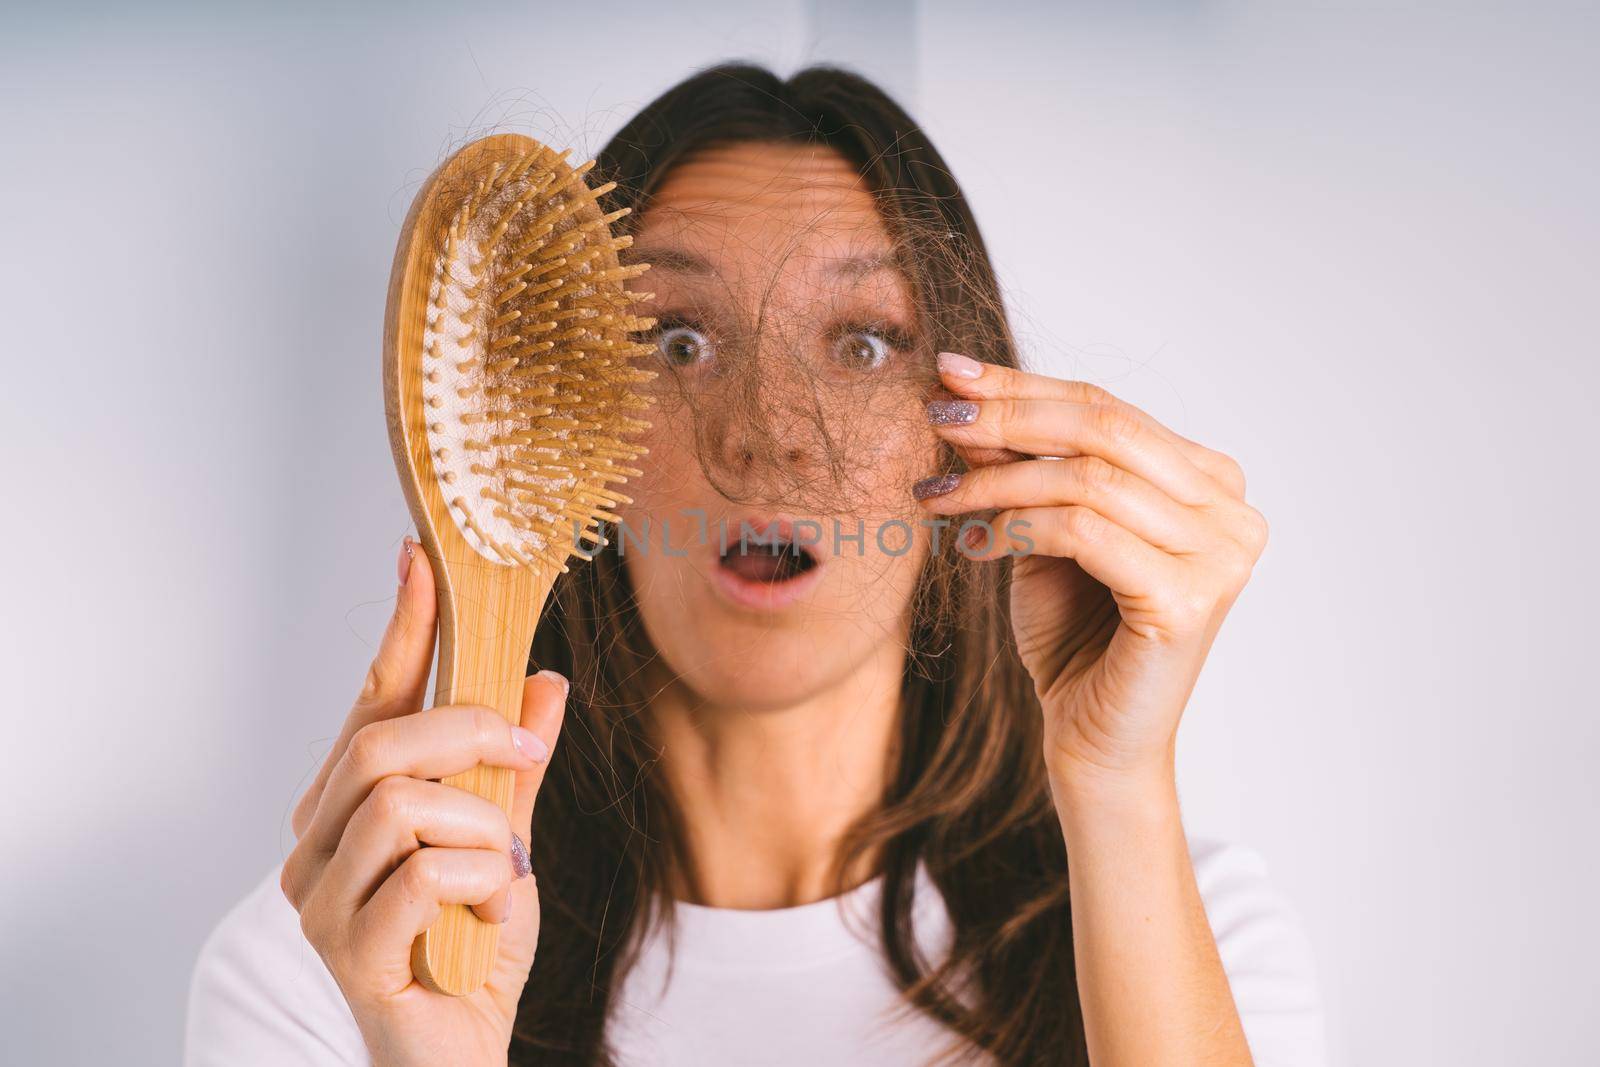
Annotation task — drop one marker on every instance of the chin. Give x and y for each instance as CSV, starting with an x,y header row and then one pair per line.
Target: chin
x,y
773,679
728,652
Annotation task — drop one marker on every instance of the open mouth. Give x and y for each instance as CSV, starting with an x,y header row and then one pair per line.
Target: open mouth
x,y
771,559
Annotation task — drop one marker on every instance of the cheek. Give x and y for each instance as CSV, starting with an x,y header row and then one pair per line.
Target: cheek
x,y
665,524
671,471
902,451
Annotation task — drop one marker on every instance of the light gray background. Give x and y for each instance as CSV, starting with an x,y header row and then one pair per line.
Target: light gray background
x,y
1355,247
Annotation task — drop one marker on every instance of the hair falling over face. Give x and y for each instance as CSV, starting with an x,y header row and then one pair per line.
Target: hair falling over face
x,y
804,406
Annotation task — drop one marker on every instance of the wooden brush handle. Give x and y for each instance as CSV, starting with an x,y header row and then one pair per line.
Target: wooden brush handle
x,y
487,615
457,361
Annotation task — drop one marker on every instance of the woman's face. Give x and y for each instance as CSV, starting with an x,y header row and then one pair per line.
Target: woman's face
x,y
789,404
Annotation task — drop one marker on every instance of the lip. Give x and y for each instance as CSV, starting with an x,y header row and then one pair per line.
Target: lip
x,y
763,596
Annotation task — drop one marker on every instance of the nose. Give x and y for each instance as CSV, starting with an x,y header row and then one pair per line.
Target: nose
x,y
768,431
745,453
759,439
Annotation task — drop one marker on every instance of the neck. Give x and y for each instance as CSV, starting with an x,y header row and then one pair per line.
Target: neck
x,y
766,796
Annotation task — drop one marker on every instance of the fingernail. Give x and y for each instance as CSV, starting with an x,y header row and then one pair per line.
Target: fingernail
x,y
529,745
975,537
560,680
403,564
505,916
938,486
952,412
521,862
958,366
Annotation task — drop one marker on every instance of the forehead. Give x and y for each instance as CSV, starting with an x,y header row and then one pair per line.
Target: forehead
x,y
763,208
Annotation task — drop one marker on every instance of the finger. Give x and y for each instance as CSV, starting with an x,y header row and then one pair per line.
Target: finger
x,y
411,899
544,703
1110,554
398,675
398,817
431,744
1062,428
544,708
1124,498
971,379
975,457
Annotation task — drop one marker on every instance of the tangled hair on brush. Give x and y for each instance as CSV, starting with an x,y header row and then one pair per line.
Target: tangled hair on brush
x,y
967,795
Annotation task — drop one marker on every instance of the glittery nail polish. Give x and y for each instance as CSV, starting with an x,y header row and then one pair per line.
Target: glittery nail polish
x,y
521,862
952,412
936,486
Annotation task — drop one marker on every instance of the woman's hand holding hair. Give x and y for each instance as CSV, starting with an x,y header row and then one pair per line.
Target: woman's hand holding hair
x,y
382,845
1133,543
1132,546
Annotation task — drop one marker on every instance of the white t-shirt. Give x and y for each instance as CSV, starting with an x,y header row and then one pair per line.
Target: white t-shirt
x,y
792,986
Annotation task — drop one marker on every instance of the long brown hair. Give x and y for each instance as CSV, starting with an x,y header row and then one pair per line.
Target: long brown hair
x,y
967,795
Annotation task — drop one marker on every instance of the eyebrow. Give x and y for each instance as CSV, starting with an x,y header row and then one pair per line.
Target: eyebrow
x,y
859,266
679,261
673,259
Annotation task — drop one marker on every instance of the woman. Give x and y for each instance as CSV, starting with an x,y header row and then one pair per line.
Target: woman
x,y
829,742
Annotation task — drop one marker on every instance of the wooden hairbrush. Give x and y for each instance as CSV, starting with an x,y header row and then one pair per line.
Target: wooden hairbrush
x,y
509,374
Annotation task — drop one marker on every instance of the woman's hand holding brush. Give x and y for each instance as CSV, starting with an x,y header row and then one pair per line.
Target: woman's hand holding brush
x,y
382,845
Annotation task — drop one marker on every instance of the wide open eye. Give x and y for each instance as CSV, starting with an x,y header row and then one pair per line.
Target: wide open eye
x,y
682,345
863,349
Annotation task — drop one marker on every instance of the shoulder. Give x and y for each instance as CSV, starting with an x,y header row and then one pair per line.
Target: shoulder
x,y
1265,953
260,994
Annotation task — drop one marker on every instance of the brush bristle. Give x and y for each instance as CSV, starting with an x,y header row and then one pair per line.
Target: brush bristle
x,y
528,363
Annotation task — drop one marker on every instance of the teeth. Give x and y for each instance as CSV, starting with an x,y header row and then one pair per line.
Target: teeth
x,y
776,548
